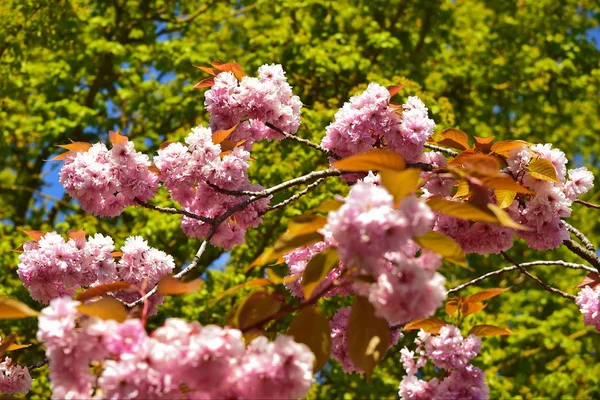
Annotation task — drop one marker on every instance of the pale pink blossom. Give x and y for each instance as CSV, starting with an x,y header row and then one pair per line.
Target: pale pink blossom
x,y
588,301
14,378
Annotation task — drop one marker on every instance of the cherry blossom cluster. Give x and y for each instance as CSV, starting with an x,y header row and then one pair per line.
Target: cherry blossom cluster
x,y
451,352
189,171
339,340
13,378
52,267
367,121
373,235
542,212
178,359
588,301
252,103
106,181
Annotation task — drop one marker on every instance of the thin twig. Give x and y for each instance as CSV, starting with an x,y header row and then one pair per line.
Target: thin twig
x,y
582,238
231,192
38,364
577,249
535,278
307,142
170,210
297,195
514,267
587,204
441,149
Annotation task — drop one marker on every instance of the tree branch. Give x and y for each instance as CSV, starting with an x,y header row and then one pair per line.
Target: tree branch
x,y
514,267
306,142
441,149
589,205
582,252
169,210
297,195
584,240
535,278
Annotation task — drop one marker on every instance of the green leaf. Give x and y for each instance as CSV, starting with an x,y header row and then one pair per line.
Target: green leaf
x,y
311,327
442,245
317,269
368,336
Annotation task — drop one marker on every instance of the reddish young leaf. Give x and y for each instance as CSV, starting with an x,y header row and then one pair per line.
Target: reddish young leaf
x,y
208,82
14,346
471,308
455,138
117,254
452,306
504,147
13,309
592,280
394,89
5,343
73,147
117,138
489,330
78,234
35,235
163,145
219,136
431,325
169,285
487,140
485,294
101,290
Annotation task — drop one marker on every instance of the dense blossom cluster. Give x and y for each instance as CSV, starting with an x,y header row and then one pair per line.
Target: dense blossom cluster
x,y
373,235
588,301
13,378
189,171
106,181
449,351
179,357
339,340
251,103
52,267
368,121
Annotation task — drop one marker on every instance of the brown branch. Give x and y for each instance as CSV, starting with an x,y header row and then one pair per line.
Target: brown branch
x,y
441,149
297,195
38,364
582,252
536,279
514,267
587,204
306,142
582,238
169,210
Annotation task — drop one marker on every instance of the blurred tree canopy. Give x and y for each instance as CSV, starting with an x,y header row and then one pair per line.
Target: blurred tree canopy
x,y
520,69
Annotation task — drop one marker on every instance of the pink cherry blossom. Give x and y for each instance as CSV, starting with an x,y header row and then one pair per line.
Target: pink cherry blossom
x,y
14,378
588,301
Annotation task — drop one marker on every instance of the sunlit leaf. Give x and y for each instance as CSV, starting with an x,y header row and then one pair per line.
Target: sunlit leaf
x,y
505,219
451,307
505,197
431,325
5,344
442,245
454,138
117,138
35,235
219,136
471,308
394,89
504,147
317,269
311,327
73,147
487,140
505,183
489,330
13,309
79,234
169,285
368,336
233,289
256,308
105,308
103,289
376,159
485,294
14,346
462,189
542,169
208,82
460,210
400,183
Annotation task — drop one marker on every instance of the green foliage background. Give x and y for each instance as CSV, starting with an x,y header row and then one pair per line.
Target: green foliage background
x,y
520,69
